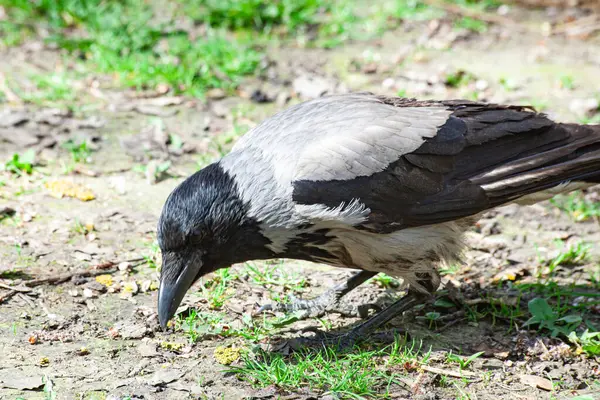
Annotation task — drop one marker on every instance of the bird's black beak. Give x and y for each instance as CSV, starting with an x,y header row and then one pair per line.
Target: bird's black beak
x,y
175,280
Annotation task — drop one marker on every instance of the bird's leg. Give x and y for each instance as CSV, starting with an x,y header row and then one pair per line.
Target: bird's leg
x,y
368,327
318,306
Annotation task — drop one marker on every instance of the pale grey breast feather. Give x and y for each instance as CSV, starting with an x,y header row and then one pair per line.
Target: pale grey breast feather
x,y
341,137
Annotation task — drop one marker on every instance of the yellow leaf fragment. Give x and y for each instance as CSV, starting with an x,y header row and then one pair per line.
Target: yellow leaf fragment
x,y
226,355
63,188
130,287
105,280
172,346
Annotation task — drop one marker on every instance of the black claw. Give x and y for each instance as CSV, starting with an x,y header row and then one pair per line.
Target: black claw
x,y
263,308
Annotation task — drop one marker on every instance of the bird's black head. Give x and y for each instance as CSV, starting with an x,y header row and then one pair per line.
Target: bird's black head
x,y
204,226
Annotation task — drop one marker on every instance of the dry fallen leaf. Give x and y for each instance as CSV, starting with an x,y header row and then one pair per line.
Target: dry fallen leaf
x,y
33,339
63,188
511,273
105,280
536,382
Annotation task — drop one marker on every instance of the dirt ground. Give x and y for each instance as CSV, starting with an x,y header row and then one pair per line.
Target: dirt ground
x,y
93,339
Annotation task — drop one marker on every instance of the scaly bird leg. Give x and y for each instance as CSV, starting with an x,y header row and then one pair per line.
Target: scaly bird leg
x,y
362,331
328,301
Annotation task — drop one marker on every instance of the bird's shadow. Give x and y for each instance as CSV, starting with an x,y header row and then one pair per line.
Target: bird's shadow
x,y
471,320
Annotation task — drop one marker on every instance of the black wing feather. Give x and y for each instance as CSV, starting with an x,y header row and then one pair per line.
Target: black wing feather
x,y
484,156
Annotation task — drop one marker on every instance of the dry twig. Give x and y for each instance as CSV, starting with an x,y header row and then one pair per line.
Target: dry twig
x,y
8,92
100,269
7,296
454,374
465,12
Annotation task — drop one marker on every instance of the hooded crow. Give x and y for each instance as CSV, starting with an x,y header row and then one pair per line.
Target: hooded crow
x,y
367,182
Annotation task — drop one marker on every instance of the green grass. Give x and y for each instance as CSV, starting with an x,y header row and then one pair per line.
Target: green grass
x,y
567,322
546,318
269,275
351,375
146,44
50,89
152,256
577,206
79,151
458,79
125,39
293,15
463,362
20,164
573,254
199,325
385,281
217,289
567,82
471,24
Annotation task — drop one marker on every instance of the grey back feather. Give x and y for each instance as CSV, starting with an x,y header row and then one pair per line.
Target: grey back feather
x,y
341,137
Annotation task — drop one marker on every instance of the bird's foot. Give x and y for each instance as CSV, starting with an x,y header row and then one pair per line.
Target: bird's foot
x,y
348,340
339,341
319,306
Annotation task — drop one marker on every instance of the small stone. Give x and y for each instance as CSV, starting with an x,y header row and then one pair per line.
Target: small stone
x,y
216,94
96,286
503,9
584,107
12,379
82,256
124,266
148,349
73,293
133,331
119,183
492,363
388,83
220,110
481,85
312,87
282,98
164,376
130,287
10,118
90,306
259,96
88,293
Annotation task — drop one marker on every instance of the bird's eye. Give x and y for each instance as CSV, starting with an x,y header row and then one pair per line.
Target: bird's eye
x,y
196,235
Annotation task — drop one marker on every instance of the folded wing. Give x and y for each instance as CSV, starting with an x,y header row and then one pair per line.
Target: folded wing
x,y
414,173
